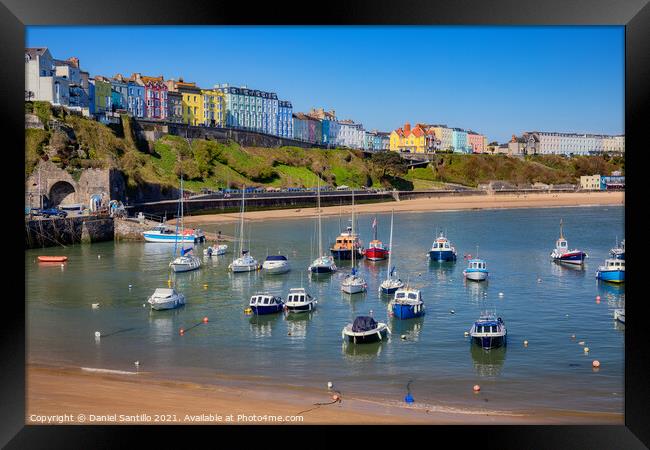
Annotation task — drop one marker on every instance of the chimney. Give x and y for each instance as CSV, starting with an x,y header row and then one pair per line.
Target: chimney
x,y
407,127
74,61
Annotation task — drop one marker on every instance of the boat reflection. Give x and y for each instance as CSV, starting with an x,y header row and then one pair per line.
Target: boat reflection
x,y
410,328
476,292
560,269
360,352
162,324
262,326
442,269
488,363
297,325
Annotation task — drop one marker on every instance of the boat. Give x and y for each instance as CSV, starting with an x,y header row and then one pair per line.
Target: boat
x,y
562,254
476,269
619,314
262,304
245,262
185,261
276,264
390,284
52,258
442,249
365,330
376,250
407,304
165,234
215,250
347,243
618,252
324,263
299,301
166,298
353,283
488,332
613,271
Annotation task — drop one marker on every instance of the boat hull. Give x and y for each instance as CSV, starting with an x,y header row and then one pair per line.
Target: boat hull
x,y
303,308
321,269
405,311
475,275
611,276
266,309
345,254
244,267
376,254
169,238
366,338
276,268
389,289
437,255
488,342
577,258
52,258
353,288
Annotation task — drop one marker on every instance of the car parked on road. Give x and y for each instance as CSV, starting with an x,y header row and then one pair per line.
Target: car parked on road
x,y
56,212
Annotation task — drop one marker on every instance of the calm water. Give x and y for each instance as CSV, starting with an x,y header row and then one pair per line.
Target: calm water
x,y
307,350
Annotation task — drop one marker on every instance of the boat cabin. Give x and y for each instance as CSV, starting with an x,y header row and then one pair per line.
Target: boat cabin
x,y
298,295
408,295
615,264
477,264
561,244
276,258
163,229
265,300
376,244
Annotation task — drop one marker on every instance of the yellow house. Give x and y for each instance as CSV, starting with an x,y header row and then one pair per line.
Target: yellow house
x,y
416,140
214,109
192,101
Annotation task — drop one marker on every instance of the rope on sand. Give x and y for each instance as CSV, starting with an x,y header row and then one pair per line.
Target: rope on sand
x,y
335,399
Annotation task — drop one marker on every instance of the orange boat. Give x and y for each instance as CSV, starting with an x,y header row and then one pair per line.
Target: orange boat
x,y
52,258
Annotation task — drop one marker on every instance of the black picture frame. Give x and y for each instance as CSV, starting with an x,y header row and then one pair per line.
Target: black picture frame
x,y
633,14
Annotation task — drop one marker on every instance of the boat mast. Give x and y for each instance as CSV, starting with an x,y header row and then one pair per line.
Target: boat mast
x,y
241,223
390,246
320,239
352,237
561,236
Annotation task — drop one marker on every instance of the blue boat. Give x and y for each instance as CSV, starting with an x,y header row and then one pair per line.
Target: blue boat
x,y
442,250
407,304
613,271
618,252
562,254
266,304
488,331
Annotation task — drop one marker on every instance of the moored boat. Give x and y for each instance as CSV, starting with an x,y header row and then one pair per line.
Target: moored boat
x,y
262,304
353,283
488,331
185,262
562,254
476,269
52,258
390,284
365,330
407,304
166,298
324,263
619,314
618,252
347,243
165,234
299,301
442,249
245,262
376,250
215,250
613,271
276,264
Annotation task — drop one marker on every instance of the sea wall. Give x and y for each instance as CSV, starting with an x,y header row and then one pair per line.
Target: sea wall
x,y
68,231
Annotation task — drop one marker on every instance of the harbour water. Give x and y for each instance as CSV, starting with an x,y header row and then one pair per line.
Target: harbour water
x,y
542,302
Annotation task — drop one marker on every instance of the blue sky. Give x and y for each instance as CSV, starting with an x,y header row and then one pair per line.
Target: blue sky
x,y
497,81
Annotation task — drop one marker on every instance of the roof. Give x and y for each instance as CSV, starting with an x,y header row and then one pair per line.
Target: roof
x,y
33,52
276,258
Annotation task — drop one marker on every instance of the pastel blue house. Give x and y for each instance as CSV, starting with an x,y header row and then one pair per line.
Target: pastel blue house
x,y
119,93
135,99
459,141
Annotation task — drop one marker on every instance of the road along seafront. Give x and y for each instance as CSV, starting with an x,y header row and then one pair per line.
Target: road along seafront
x,y
432,203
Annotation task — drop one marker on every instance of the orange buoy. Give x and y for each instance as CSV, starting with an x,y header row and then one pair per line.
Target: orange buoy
x,y
477,388
181,331
205,320
595,364
335,397
52,258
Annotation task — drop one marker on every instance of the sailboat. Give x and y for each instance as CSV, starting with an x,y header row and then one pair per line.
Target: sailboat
x,y
353,283
324,263
185,261
390,284
245,262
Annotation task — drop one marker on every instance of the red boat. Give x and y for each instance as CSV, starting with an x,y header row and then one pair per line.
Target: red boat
x,y
376,250
52,258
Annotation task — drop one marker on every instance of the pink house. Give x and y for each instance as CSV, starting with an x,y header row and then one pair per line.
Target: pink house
x,y
476,142
155,96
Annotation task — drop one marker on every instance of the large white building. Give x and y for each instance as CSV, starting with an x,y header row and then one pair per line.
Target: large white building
x,y
552,143
41,79
350,134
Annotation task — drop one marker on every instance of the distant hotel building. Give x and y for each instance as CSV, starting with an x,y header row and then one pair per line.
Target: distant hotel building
x,y
550,143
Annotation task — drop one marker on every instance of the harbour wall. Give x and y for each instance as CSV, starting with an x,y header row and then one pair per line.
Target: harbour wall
x,y
68,231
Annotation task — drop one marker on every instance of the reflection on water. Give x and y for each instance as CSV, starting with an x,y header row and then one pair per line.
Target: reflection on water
x,y
476,291
262,326
409,328
487,363
360,352
564,269
297,324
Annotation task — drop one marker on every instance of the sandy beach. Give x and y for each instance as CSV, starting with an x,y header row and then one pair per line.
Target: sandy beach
x,y
58,395
434,203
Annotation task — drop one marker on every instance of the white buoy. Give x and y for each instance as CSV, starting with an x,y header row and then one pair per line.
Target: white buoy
x,y
137,363
97,335
451,311
95,305
329,385
99,256
130,286
500,294
144,305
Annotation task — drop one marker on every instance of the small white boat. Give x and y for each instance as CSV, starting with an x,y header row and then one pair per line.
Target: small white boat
x,y
619,314
245,263
164,234
365,330
299,301
166,298
265,303
215,250
276,264
185,263
353,284
488,331
324,263
562,254
390,284
476,270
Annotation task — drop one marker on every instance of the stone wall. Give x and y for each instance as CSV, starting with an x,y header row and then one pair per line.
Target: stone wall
x,y
74,230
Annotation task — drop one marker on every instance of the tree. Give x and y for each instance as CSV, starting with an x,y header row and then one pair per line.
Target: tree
x,y
388,163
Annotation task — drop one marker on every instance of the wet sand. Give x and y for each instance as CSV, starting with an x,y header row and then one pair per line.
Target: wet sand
x,y
59,395
434,203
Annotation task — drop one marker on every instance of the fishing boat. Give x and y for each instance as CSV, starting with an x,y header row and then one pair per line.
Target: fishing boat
x,y
276,264
619,314
52,258
476,269
562,254
299,301
347,243
407,304
166,298
324,263
442,249
613,271
185,261
488,331
215,250
390,284
376,250
262,304
165,234
245,262
618,252
353,283
365,330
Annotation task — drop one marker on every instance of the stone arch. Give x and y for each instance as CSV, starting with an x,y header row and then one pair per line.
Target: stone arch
x,y
62,193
